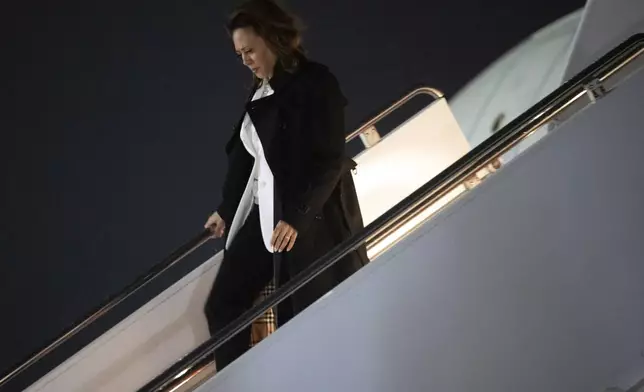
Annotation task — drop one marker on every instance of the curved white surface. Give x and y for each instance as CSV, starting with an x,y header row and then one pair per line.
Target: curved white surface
x,y
515,82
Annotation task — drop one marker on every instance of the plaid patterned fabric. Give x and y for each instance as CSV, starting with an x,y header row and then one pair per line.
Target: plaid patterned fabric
x,y
264,325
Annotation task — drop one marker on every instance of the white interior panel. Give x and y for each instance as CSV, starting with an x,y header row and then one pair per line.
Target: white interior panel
x,y
408,157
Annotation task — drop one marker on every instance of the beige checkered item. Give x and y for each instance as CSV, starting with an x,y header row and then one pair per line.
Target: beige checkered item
x,y
265,324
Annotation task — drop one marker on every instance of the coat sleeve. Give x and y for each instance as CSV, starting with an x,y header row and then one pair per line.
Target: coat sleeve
x,y
240,165
322,130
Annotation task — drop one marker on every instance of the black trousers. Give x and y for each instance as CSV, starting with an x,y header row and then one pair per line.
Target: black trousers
x,y
246,269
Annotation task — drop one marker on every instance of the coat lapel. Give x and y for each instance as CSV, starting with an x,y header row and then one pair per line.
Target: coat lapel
x,y
265,113
234,137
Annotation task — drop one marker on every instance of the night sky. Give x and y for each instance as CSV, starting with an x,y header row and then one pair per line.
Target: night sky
x,y
115,115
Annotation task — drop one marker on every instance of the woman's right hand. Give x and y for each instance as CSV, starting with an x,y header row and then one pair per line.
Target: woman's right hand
x,y
216,225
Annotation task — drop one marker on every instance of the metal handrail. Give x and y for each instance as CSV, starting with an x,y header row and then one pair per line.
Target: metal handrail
x,y
436,94
173,259
111,303
500,142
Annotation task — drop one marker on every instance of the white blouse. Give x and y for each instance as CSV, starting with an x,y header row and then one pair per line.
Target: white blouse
x,y
259,189
252,142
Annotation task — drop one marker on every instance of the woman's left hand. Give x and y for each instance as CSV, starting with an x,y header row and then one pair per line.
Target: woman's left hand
x,y
284,237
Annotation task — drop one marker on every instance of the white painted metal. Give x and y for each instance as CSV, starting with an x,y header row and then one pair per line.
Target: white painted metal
x,y
533,281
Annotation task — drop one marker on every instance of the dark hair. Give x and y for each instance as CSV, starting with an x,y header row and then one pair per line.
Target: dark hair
x,y
281,30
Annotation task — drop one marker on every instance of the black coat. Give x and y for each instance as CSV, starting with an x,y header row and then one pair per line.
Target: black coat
x,y
301,127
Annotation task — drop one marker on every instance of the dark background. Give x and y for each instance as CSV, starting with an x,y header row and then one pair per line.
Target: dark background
x,y
115,115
